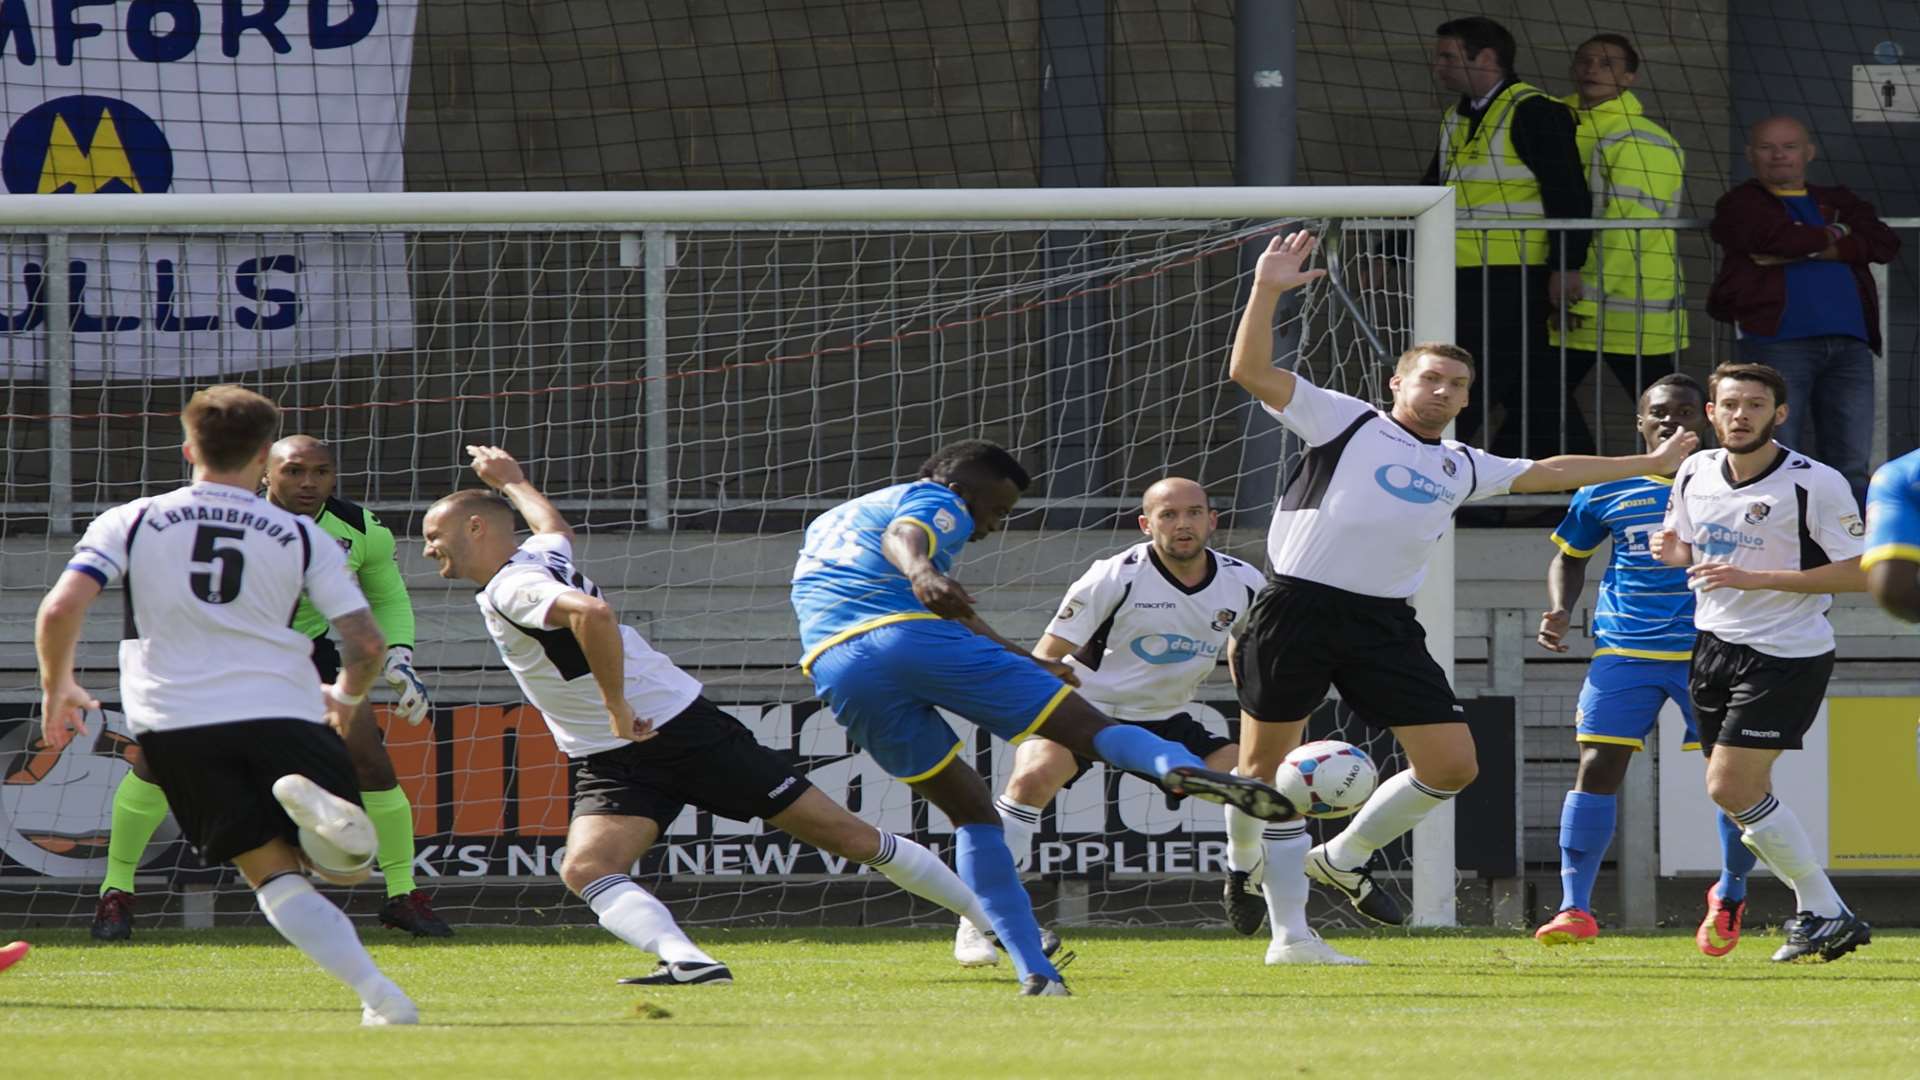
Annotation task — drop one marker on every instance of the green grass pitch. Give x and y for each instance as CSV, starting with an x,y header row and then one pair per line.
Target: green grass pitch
x,y
852,1003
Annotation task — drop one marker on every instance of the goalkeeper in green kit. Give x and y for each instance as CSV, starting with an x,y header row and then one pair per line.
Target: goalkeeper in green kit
x,y
300,478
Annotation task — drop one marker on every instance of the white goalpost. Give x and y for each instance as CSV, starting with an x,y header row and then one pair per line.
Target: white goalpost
x,y
691,376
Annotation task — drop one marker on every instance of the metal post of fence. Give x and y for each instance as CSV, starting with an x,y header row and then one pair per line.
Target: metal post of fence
x,y
654,394
59,388
1635,855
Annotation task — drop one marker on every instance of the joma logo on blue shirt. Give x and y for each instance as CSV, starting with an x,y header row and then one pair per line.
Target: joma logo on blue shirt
x,y
1403,483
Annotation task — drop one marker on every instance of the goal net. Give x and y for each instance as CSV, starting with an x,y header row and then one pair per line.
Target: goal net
x,y
691,379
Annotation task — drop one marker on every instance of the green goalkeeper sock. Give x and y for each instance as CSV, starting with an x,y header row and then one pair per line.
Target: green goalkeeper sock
x,y
138,810
392,818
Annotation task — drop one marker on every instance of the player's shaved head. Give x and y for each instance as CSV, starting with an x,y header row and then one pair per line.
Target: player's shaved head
x,y
1173,491
304,446
470,533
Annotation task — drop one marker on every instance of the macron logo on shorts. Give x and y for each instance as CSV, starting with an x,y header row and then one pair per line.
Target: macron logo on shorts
x,y
784,785
1752,734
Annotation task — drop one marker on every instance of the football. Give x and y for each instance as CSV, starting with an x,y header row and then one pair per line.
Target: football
x,y
1327,779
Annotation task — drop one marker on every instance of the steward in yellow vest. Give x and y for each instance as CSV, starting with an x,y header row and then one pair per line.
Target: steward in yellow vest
x,y
1633,312
1508,151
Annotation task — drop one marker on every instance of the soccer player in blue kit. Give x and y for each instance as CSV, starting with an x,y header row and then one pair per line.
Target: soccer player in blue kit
x,y
1892,560
890,638
1643,632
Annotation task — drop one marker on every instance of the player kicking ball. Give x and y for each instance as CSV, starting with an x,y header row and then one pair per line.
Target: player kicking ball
x,y
1349,546
891,638
1643,631
1767,535
300,479
642,740
241,739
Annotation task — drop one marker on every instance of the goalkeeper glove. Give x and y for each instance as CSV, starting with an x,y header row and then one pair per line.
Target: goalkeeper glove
x,y
400,675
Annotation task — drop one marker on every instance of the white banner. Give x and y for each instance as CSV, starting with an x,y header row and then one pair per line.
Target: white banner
x,y
163,96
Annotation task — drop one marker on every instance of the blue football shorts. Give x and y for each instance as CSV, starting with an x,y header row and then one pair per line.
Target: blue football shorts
x,y
1621,699
886,686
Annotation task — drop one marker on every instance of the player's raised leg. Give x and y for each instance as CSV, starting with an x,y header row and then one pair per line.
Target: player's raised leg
x,y
139,807
408,907
602,847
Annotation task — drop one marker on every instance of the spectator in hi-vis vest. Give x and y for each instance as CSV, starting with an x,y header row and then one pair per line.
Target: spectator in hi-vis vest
x,y
1508,152
1632,315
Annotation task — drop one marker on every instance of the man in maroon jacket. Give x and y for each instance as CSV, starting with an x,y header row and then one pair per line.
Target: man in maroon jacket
x,y
1794,279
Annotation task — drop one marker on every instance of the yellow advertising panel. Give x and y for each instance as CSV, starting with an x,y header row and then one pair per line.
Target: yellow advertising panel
x,y
1873,789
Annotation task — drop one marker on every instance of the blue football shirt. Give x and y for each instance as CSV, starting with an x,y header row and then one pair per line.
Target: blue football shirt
x,y
1893,511
1645,608
843,584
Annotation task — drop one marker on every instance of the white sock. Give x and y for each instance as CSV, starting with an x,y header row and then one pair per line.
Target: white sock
x,y
1397,806
1286,883
921,873
1020,822
633,915
314,926
1777,832
1243,841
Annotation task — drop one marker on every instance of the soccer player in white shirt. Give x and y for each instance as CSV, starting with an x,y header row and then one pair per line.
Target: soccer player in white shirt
x,y
216,685
1142,629
1768,535
1349,545
643,741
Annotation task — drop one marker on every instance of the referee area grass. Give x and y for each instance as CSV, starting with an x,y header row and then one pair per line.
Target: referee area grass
x,y
846,1003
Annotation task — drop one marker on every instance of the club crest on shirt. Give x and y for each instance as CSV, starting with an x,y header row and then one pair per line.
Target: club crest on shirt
x,y
1447,466
943,520
1757,513
1223,618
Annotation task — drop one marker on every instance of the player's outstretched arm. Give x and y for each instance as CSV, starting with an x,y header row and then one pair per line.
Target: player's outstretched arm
x,y
1840,577
1895,585
596,627
498,470
56,635
1278,271
1569,471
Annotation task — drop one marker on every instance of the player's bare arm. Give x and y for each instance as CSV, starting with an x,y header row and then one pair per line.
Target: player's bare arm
x,y
1667,546
1566,579
1569,471
498,470
56,635
363,651
1895,585
1841,577
906,547
1277,272
596,627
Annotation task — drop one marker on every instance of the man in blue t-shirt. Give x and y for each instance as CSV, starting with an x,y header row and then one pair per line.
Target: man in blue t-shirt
x,y
891,638
1643,633
1795,279
1892,560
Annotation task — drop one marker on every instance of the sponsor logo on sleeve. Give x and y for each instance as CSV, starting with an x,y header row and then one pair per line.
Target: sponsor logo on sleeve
x,y
1069,612
1853,524
944,521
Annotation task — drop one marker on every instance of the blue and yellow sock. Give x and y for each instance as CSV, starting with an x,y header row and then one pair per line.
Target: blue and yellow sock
x,y
1586,828
985,864
1736,861
1137,750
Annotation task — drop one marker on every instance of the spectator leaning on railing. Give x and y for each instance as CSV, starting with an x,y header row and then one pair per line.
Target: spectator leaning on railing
x,y
1632,313
1508,152
1794,279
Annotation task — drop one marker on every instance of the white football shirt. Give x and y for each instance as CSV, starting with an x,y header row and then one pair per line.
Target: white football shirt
x,y
549,664
212,574
1371,498
1798,515
1146,639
